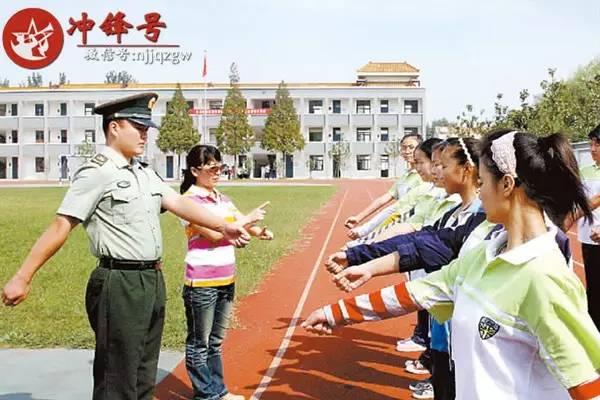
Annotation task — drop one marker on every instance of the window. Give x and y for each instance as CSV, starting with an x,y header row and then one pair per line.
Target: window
x,y
2,136
265,104
2,110
315,134
336,106
39,110
411,106
384,106
411,130
63,136
15,136
337,134
384,134
63,109
190,104
14,109
316,163
39,136
363,162
363,134
215,104
363,106
315,106
88,109
39,164
384,162
90,136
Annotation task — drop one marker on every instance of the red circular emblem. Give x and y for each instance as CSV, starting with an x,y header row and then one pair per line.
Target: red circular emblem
x,y
33,38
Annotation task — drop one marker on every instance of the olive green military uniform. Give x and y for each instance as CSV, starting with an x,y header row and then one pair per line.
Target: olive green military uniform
x,y
119,203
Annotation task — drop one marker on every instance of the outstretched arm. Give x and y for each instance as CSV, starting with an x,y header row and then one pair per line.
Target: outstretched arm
x,y
354,220
391,301
17,289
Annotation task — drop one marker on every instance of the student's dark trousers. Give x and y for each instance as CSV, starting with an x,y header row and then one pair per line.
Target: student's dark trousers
x,y
591,261
442,376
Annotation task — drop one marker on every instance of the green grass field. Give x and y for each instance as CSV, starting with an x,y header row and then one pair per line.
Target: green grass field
x,y
54,313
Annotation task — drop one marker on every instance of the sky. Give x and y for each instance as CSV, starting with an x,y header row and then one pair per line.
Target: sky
x,y
467,50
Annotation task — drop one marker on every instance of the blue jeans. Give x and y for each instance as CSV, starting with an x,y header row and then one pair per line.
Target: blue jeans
x,y
207,310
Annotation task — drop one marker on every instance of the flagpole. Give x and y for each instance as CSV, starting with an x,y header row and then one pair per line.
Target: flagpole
x,y
204,73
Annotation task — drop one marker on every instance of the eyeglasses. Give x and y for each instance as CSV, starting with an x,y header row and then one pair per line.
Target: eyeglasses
x,y
213,169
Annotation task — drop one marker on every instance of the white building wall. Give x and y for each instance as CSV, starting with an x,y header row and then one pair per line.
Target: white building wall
x,y
76,123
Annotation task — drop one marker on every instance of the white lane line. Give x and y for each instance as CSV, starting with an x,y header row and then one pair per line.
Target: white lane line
x,y
370,195
266,380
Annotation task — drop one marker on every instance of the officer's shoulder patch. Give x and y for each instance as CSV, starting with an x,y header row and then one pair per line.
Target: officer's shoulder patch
x,y
99,159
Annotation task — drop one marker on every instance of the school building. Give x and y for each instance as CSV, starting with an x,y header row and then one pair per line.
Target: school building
x,y
46,132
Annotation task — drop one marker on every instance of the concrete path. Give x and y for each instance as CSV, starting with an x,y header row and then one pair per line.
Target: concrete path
x,y
57,374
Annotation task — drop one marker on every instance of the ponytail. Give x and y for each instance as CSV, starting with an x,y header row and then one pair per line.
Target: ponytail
x,y
547,170
188,180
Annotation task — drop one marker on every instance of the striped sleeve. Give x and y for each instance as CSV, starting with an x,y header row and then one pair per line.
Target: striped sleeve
x,y
389,302
586,391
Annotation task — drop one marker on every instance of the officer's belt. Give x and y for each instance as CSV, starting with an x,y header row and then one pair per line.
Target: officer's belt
x,y
113,263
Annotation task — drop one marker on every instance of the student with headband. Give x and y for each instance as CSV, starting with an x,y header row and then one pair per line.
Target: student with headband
x,y
521,329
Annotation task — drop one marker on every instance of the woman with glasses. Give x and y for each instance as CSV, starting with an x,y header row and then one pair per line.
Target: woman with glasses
x,y
209,286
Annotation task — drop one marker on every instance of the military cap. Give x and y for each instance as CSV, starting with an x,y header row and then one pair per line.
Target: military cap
x,y
136,108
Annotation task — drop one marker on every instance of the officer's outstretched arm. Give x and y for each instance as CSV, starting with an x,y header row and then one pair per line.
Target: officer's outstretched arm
x,y
17,289
186,209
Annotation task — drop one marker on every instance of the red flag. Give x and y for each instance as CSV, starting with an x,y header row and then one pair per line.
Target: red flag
x,y
204,67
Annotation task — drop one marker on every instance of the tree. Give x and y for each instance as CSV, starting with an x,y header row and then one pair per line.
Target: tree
x,y
234,134
282,128
392,149
35,80
311,164
122,77
4,82
177,134
86,149
62,80
471,124
339,152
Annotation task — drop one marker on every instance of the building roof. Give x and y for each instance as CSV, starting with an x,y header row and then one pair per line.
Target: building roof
x,y
199,85
388,67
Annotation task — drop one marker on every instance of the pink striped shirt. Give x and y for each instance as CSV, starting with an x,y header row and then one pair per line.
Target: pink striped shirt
x,y
209,263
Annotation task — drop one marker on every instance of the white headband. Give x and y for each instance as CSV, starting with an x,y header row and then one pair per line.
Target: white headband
x,y
465,150
503,154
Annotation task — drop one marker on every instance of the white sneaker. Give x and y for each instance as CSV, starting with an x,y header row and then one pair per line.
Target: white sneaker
x,y
420,385
407,345
417,368
426,393
231,396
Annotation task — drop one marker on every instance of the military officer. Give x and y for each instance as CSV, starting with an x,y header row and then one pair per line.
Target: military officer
x,y
118,200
